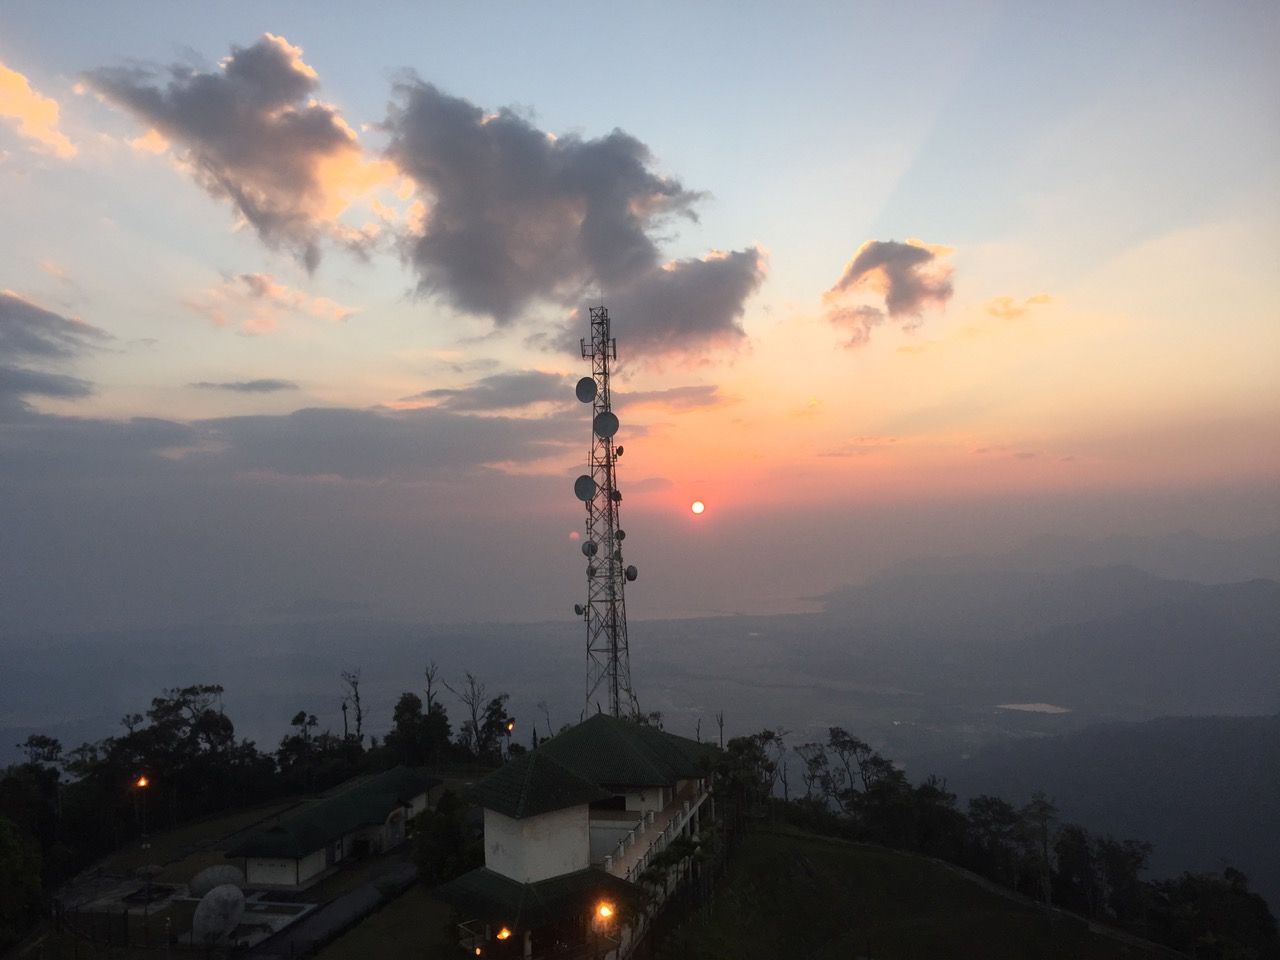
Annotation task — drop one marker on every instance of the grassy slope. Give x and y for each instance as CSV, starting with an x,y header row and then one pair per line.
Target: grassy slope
x,y
411,927
796,895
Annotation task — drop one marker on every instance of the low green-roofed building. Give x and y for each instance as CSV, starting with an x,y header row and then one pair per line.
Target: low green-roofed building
x,y
366,815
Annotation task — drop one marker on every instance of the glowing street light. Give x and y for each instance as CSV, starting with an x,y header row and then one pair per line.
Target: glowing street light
x,y
142,782
604,910
504,933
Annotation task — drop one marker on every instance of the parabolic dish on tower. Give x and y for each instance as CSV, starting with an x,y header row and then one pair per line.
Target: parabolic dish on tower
x,y
605,424
586,389
584,488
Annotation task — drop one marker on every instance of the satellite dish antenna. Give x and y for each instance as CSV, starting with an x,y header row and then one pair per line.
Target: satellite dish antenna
x,y
579,609
586,389
632,573
584,488
218,875
621,535
617,452
591,570
589,548
605,424
217,914
617,496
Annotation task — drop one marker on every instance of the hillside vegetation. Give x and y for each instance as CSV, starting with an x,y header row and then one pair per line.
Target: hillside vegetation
x,y
791,894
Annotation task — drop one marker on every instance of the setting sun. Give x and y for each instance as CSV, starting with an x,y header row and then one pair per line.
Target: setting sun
x,y
697,506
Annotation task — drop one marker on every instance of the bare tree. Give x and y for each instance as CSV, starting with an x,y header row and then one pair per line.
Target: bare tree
x,y
431,673
720,724
546,715
697,730
352,679
775,744
814,758
471,693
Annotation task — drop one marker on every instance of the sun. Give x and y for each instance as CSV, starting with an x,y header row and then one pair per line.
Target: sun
x,y
697,506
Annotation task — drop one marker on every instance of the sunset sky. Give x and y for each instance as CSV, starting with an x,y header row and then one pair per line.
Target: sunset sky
x,y
292,293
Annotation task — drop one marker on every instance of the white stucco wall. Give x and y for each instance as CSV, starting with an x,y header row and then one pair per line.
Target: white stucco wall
x,y
311,866
276,872
539,847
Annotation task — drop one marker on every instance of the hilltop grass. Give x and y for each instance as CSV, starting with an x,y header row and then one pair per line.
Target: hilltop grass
x,y
410,927
790,894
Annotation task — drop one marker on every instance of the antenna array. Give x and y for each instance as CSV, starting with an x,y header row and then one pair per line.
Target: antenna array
x,y
605,612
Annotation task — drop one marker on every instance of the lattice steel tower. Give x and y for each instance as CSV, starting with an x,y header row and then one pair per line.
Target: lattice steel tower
x,y
605,612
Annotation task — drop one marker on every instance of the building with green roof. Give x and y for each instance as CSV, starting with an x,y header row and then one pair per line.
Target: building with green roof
x,y
570,832
365,815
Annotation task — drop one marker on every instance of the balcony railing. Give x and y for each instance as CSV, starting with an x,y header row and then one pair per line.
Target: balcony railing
x,y
658,828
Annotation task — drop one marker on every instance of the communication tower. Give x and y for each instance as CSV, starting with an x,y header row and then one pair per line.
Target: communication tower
x,y
605,612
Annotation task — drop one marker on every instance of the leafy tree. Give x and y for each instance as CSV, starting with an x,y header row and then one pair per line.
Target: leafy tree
x,y
993,839
493,728
20,885
1120,862
1213,917
42,750
1036,822
445,845
1077,879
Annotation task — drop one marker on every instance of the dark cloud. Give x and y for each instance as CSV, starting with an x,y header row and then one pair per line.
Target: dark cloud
x,y
686,306
516,214
264,385
906,277
501,391
859,321
44,445
381,443
20,381
32,335
676,398
29,332
251,134
683,307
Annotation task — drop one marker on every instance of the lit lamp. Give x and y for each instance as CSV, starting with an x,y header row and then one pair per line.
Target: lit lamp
x,y
602,918
504,933
140,803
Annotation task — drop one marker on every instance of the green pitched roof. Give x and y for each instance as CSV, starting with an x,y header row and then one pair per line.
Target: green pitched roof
x,y
489,896
364,802
617,752
534,783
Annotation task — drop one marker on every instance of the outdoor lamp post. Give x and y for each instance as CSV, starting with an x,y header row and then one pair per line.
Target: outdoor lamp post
x,y
601,921
511,725
140,803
